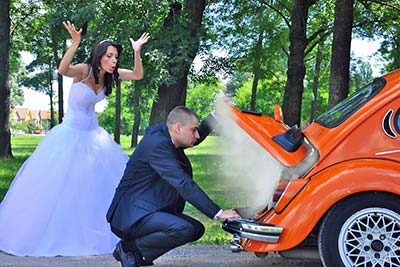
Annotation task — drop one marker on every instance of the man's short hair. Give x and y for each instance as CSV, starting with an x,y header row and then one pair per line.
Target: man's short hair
x,y
180,114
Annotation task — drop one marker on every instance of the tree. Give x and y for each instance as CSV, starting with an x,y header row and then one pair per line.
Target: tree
x,y
360,74
317,71
5,134
117,129
137,116
296,69
42,81
340,62
130,18
42,68
201,97
254,38
80,12
182,26
22,16
384,26
17,94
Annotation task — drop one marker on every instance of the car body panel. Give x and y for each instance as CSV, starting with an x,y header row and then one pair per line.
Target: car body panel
x,y
262,128
324,190
359,154
350,139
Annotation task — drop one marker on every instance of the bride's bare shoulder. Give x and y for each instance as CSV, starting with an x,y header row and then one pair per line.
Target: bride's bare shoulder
x,y
82,71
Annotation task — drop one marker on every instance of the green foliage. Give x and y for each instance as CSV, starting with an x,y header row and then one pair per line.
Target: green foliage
x,y
201,98
360,74
270,93
17,94
378,20
323,84
22,126
107,117
229,37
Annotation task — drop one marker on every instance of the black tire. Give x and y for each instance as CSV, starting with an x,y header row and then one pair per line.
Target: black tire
x,y
345,238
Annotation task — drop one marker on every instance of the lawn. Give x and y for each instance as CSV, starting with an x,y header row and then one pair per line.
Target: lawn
x,y
206,166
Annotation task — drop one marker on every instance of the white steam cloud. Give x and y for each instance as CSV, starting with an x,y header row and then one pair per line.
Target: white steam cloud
x,y
246,165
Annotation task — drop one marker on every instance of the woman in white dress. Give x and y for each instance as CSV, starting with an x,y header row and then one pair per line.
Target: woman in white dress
x,y
56,204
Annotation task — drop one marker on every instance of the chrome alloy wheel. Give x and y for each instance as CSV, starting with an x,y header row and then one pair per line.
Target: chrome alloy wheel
x,y
371,238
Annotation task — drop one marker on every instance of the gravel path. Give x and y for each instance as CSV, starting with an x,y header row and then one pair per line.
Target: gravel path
x,y
189,255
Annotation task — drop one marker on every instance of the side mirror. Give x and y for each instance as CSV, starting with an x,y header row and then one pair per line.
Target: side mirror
x,y
278,115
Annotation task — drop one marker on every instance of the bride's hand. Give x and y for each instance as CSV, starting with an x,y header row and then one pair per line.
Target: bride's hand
x,y
75,35
136,45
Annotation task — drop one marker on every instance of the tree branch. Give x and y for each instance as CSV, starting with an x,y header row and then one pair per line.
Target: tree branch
x,y
322,35
320,31
287,21
390,3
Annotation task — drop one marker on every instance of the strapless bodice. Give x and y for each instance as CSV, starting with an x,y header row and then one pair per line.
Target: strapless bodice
x,y
81,106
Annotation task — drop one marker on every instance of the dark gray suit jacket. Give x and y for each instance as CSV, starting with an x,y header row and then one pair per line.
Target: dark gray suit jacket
x,y
158,177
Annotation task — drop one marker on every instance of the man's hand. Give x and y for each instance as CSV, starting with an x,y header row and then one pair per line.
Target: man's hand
x,y
228,214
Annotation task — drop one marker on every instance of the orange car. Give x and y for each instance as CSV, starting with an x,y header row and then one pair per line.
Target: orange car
x,y
339,195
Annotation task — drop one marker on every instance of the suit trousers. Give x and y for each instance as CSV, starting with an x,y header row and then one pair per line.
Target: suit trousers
x,y
160,232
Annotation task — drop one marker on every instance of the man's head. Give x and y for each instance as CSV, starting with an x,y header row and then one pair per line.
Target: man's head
x,y
183,126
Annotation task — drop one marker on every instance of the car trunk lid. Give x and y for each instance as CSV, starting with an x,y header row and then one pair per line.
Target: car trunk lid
x,y
274,136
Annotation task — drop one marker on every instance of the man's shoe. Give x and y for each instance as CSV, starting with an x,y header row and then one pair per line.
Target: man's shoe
x,y
126,259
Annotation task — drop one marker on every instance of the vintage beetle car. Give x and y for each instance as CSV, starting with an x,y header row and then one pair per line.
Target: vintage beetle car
x,y
338,200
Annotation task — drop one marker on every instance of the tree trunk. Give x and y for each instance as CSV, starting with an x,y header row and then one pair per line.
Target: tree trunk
x,y
254,92
51,94
340,63
52,117
256,70
169,96
296,69
117,130
172,95
5,134
317,72
60,98
137,116
57,60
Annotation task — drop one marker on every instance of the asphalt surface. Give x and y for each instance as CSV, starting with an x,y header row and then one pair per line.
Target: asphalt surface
x,y
188,255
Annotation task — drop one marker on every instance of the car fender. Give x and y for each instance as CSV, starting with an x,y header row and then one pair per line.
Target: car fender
x,y
324,189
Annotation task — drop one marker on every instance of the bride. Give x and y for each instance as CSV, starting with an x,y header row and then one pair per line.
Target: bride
x,y
57,202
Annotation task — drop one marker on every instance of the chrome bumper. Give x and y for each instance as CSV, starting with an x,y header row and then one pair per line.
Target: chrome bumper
x,y
253,230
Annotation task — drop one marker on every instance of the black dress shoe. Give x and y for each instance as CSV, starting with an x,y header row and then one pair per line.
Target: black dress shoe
x,y
126,259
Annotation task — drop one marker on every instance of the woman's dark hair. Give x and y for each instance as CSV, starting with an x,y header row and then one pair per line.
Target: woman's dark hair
x,y
99,49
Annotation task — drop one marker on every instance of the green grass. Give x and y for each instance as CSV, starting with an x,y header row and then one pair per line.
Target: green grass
x,y
206,166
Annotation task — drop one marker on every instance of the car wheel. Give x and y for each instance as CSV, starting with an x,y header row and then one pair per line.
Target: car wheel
x,y
363,230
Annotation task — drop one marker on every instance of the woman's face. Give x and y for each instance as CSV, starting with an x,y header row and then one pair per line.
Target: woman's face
x,y
109,60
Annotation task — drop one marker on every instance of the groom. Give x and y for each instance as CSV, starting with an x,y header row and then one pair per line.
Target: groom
x,y
147,209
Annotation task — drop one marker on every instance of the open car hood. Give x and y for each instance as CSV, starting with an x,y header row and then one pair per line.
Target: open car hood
x,y
272,135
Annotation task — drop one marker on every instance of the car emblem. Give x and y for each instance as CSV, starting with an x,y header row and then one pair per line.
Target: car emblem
x,y
386,125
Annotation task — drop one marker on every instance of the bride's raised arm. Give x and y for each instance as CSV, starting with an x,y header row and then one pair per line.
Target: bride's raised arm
x,y
137,72
65,68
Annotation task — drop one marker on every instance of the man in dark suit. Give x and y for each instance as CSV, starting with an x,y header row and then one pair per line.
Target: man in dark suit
x,y
147,209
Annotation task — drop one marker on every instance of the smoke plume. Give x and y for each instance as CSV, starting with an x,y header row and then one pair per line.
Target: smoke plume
x,y
246,166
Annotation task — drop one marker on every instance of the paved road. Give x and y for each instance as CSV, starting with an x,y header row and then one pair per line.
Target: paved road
x,y
189,255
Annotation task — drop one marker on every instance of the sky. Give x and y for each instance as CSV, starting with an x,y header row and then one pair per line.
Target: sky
x,y
39,101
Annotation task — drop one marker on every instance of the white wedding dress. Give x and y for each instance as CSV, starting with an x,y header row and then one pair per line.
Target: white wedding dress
x,y
57,202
